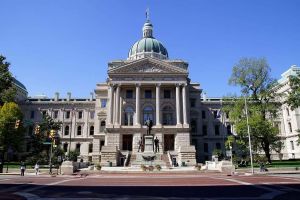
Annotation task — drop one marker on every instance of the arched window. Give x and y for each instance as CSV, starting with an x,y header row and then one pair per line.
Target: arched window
x,y
167,114
79,130
102,126
148,113
128,116
91,130
67,130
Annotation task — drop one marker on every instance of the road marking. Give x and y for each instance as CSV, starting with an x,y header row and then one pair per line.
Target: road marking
x,y
47,185
7,179
272,192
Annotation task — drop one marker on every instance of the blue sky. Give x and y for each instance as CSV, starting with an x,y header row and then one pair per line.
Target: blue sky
x,y
65,45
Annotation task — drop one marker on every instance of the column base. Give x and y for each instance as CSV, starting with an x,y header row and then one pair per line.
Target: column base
x,y
179,125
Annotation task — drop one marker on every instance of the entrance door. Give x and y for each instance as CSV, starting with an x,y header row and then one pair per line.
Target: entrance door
x,y
127,142
169,142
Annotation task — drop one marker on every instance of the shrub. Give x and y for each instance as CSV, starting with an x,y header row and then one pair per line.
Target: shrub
x,y
150,168
158,167
98,166
143,167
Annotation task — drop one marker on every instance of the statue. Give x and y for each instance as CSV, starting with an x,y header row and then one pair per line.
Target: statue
x,y
149,125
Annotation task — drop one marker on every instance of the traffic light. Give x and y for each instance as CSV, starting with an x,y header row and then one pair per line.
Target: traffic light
x,y
52,133
17,124
37,129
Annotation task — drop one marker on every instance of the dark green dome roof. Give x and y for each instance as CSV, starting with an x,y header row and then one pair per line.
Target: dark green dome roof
x,y
148,45
19,84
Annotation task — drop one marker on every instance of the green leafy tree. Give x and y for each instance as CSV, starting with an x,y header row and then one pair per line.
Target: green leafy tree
x,y
7,91
253,76
293,99
11,136
38,139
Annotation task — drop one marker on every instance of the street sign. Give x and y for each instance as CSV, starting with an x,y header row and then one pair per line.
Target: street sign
x,y
47,143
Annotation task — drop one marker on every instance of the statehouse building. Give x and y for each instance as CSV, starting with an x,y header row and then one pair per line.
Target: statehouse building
x,y
108,126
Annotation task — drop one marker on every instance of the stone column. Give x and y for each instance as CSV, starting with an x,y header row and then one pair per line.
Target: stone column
x,y
158,105
137,104
110,112
117,105
184,109
178,104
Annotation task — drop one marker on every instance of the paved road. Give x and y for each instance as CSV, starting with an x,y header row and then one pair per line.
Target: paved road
x,y
151,186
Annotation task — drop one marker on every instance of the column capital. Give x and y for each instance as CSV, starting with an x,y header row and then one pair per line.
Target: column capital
x,y
138,84
158,84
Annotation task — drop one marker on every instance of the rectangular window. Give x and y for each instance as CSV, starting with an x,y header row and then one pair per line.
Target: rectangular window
x,y
77,147
90,147
148,94
30,130
205,147
65,147
217,130
167,94
194,126
227,115
55,114
215,113
204,130
203,114
103,103
44,112
80,115
32,114
68,114
193,103
92,114
129,94
292,145
290,127
218,145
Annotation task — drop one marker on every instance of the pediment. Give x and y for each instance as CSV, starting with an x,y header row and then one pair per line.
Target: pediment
x,y
147,65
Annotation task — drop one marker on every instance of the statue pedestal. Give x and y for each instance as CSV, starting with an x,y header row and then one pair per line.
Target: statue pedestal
x,y
67,168
148,148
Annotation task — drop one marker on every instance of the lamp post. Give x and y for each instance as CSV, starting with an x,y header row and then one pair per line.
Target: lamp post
x,y
249,136
230,147
70,130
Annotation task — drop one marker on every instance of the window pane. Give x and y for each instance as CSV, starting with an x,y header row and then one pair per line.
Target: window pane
x,y
103,103
80,114
129,94
167,94
148,94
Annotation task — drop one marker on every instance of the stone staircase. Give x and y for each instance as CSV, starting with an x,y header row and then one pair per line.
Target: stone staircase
x,y
165,158
131,158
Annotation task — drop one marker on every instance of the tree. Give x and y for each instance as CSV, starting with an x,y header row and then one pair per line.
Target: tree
x,y
293,98
38,139
7,91
253,76
11,137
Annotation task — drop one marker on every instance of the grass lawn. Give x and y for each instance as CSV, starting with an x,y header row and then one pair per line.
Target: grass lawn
x,y
285,163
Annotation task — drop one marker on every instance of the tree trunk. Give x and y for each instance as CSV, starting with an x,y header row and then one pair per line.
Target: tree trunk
x,y
266,148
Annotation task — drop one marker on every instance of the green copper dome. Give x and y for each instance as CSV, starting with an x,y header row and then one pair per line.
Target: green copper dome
x,y
148,46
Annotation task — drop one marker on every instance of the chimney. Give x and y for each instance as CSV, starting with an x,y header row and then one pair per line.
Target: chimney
x,y
204,96
91,96
68,96
56,96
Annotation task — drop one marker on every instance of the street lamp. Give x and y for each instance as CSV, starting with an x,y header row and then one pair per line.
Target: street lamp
x,y
249,136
